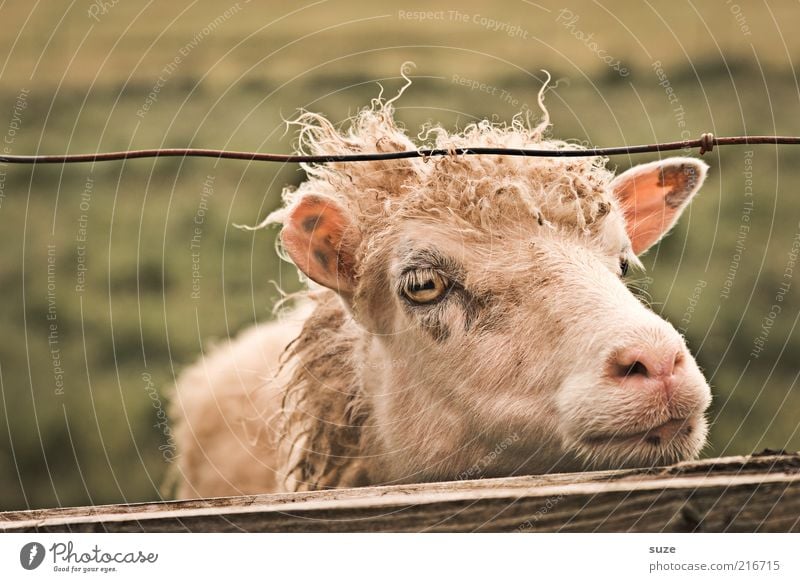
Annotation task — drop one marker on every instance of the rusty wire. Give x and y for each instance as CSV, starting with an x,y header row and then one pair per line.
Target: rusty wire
x,y
705,143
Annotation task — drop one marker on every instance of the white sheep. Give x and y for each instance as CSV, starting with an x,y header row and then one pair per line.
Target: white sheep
x,y
472,321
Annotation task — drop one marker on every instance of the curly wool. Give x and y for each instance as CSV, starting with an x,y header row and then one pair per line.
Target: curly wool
x,y
475,189
324,409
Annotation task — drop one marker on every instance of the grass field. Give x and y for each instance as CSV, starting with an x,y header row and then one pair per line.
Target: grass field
x,y
101,302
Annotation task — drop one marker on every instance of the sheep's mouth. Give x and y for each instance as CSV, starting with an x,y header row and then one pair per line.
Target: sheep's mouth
x,y
654,436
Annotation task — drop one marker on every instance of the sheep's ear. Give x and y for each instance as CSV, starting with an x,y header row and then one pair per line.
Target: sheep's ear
x,y
654,195
322,240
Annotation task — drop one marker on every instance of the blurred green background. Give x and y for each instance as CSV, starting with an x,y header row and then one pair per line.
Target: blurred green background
x,y
96,278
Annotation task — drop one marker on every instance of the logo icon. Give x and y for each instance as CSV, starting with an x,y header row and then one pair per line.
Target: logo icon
x,y
31,555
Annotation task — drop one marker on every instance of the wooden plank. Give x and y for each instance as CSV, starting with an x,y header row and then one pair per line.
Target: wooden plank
x,y
743,494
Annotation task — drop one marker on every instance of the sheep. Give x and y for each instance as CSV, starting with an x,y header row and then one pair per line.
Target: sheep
x,y
455,304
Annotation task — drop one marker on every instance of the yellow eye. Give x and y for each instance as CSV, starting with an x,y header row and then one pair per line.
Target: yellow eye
x,y
424,286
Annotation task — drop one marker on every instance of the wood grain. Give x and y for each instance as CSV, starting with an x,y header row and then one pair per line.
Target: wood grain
x,y
759,493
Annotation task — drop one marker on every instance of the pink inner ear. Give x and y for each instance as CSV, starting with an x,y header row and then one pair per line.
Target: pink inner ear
x,y
652,197
321,241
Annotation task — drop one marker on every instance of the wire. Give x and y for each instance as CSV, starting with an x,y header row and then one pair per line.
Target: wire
x,y
705,143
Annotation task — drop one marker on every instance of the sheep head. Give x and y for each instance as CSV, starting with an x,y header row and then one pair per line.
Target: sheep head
x,y
491,303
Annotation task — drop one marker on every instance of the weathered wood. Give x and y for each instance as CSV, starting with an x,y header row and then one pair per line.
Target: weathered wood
x,y
741,494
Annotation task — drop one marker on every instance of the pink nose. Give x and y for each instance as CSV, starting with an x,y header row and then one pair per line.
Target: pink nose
x,y
647,367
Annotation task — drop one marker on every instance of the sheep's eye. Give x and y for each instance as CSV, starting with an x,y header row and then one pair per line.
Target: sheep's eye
x,y
424,286
623,266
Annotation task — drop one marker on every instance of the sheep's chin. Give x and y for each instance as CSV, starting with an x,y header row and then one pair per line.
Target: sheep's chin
x,y
678,439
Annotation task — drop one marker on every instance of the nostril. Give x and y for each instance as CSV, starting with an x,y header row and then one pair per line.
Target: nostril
x,y
628,366
636,369
645,363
